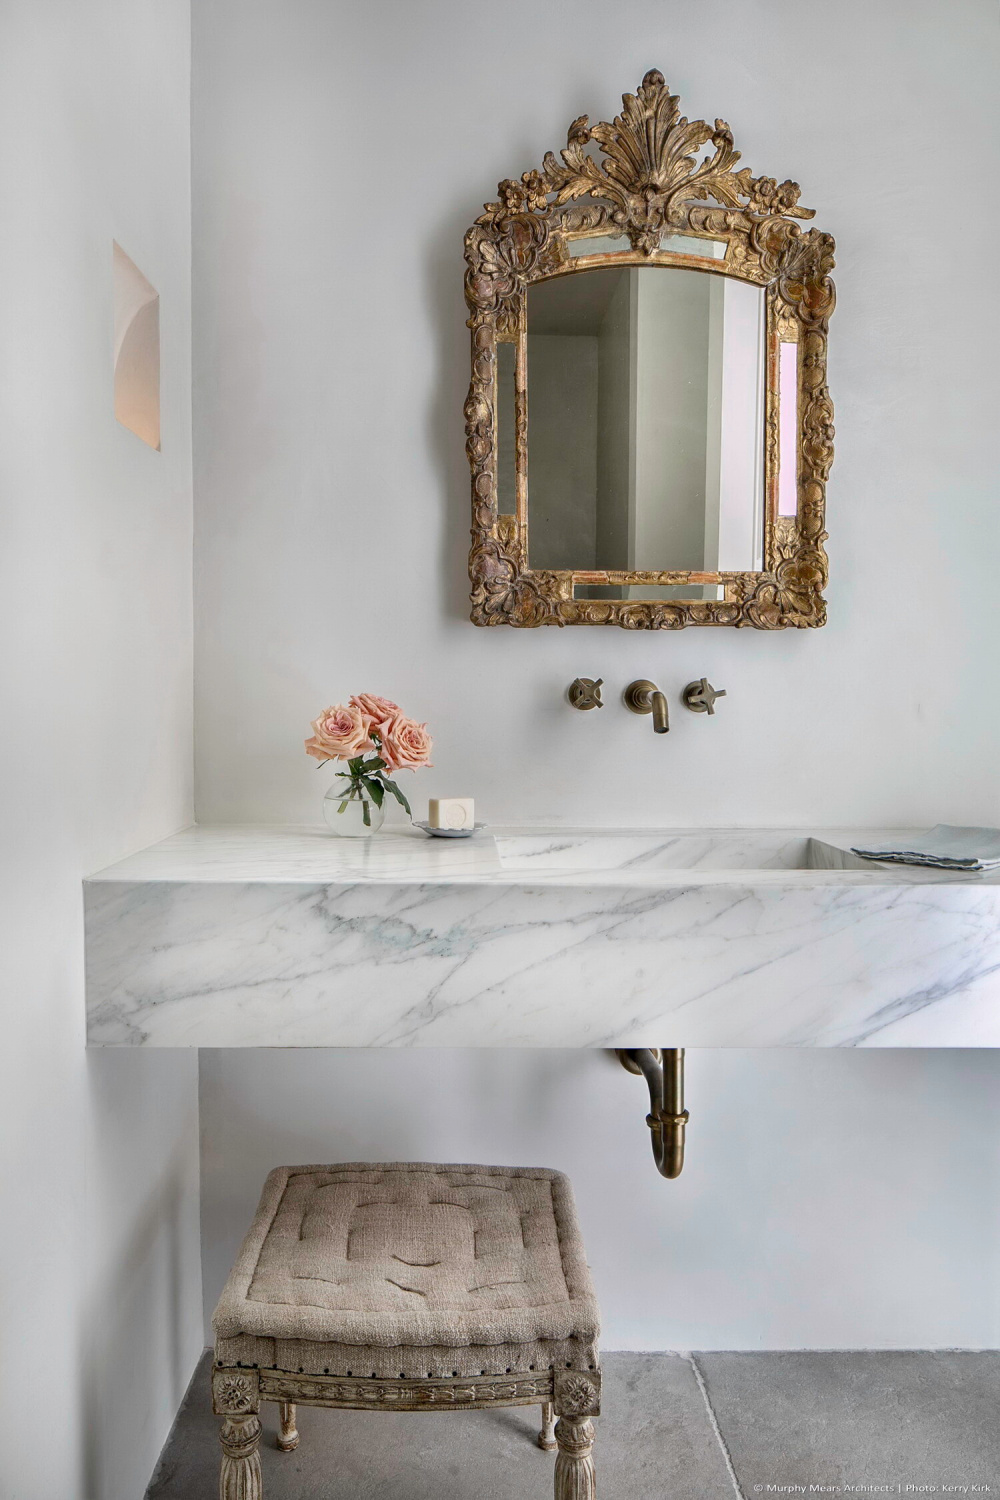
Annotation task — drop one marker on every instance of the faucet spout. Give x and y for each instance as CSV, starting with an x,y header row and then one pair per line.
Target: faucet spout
x,y
644,697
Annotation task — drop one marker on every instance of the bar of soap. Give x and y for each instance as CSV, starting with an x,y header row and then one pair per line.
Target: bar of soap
x,y
451,812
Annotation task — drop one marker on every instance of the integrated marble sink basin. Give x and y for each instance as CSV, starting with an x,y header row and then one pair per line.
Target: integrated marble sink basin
x,y
226,937
641,853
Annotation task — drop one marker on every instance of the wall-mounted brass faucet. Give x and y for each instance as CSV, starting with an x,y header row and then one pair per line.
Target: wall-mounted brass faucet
x,y
644,697
663,1070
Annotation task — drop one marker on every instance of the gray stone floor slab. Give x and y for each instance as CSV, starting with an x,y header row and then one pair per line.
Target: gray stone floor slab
x,y
901,1422
654,1441
894,1423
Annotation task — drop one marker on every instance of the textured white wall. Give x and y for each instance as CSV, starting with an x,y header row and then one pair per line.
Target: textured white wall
x,y
828,1200
99,1235
340,151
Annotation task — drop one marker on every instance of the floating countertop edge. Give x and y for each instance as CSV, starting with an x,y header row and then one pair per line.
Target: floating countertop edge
x,y
516,855
527,937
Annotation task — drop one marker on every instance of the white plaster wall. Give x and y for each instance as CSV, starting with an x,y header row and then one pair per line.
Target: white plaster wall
x,y
616,446
734,450
671,313
340,151
828,1200
564,460
99,1235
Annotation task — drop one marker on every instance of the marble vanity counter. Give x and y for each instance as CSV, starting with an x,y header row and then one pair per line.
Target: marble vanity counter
x,y
232,936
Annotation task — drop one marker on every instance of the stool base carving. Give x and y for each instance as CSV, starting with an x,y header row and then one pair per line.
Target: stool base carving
x,y
574,1461
571,1396
240,1475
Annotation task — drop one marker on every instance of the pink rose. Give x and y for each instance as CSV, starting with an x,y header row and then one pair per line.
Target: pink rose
x,y
377,710
405,744
340,733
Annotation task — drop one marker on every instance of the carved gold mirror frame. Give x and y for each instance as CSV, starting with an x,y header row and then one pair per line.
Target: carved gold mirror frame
x,y
648,185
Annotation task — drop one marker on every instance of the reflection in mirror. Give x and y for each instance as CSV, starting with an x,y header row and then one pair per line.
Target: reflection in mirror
x,y
634,591
680,244
788,429
694,244
506,453
645,438
598,244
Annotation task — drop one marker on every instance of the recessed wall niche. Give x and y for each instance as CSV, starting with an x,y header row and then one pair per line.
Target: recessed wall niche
x,y
137,350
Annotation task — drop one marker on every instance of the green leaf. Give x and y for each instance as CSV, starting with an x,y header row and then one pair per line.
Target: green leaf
x,y
391,786
374,790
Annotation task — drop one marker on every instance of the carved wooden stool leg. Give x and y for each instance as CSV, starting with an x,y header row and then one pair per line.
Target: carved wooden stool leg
x,y
574,1461
547,1436
240,1476
288,1437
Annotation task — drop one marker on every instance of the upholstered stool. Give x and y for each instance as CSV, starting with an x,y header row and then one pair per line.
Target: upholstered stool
x,y
409,1287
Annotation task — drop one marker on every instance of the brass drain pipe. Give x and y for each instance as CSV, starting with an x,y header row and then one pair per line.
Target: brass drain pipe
x,y
663,1070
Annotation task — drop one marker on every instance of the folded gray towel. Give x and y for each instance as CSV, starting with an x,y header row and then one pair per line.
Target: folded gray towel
x,y
944,848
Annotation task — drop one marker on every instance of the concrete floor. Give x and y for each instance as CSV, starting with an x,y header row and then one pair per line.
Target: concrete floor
x,y
675,1427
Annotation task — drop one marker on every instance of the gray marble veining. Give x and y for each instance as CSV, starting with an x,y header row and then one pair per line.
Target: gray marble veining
x,y
290,937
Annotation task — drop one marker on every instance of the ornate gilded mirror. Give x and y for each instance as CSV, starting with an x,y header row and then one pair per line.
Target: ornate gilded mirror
x,y
648,423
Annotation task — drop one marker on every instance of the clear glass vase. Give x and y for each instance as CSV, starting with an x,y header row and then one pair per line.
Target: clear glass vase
x,y
344,811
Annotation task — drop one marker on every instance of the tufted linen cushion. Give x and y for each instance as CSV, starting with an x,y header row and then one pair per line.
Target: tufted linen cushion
x,y
410,1269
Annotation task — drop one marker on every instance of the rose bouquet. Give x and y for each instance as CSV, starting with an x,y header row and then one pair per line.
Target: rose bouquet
x,y
376,739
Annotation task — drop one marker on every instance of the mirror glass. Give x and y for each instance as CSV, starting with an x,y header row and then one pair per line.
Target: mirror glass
x,y
650,591
506,456
678,244
645,425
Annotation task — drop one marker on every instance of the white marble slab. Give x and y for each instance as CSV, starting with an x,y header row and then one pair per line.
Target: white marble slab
x,y
251,855
291,937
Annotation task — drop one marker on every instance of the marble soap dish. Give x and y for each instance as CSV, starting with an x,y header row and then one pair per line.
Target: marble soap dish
x,y
450,833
